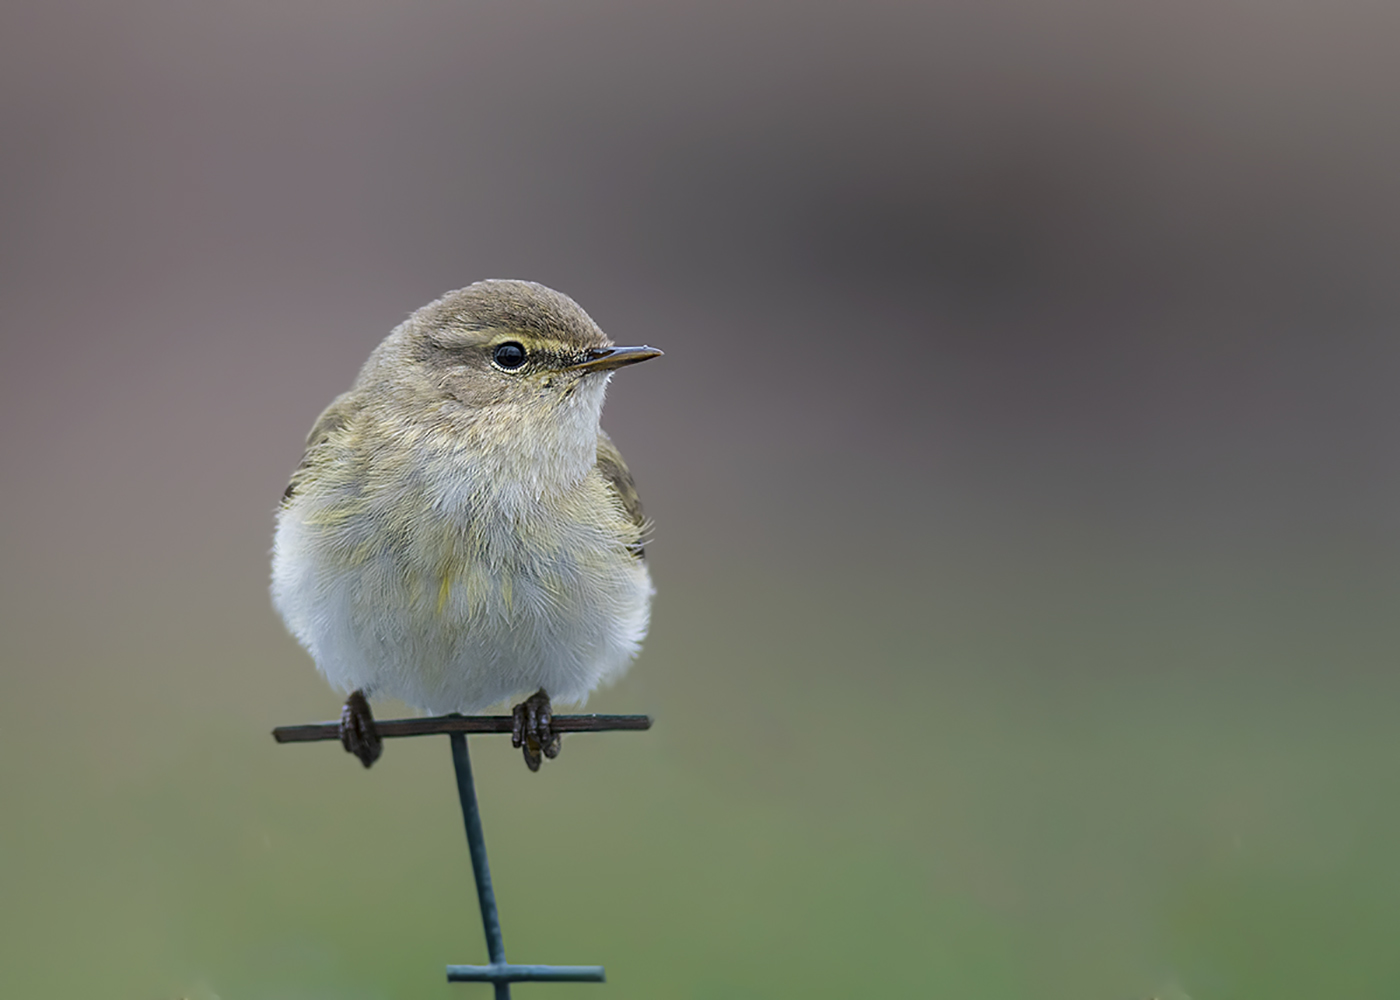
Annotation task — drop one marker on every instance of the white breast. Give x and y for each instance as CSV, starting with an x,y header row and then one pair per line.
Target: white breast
x,y
453,599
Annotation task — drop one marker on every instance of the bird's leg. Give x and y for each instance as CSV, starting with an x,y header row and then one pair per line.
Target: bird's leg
x,y
531,732
358,734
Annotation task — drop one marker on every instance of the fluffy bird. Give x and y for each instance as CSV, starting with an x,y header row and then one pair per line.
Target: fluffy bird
x,y
460,531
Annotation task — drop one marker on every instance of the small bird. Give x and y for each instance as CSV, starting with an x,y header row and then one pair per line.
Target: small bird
x,y
460,530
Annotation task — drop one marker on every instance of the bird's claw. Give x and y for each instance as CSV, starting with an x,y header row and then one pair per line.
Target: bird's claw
x,y
358,734
531,731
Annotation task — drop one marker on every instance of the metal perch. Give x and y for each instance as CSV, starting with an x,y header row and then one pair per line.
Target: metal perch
x,y
499,972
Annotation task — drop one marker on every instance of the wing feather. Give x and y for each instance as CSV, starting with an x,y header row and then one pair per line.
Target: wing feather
x,y
617,476
332,420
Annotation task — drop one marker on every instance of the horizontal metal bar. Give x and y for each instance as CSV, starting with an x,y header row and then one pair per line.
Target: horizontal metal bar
x,y
525,974
316,731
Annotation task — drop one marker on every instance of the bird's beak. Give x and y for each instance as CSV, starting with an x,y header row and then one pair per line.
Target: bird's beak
x,y
603,359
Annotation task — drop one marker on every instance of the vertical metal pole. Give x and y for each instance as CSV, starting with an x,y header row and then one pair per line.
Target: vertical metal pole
x,y
476,841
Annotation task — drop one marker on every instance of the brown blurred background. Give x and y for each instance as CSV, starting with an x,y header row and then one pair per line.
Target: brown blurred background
x,y
1024,462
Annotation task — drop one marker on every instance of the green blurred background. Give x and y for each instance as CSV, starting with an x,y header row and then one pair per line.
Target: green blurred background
x,y
1024,465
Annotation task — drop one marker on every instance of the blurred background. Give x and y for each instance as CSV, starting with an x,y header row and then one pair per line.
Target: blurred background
x,y
1024,465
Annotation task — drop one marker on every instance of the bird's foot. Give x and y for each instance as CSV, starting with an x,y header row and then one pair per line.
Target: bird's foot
x,y
358,734
531,732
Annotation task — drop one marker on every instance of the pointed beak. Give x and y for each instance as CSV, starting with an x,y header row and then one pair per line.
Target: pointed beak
x,y
603,359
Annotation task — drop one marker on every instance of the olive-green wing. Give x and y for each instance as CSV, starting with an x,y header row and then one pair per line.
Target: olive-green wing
x,y
331,421
614,471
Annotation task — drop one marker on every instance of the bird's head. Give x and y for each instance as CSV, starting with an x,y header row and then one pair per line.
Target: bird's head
x,y
516,368
515,344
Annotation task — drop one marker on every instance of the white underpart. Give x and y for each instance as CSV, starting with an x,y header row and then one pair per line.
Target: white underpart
x,y
545,600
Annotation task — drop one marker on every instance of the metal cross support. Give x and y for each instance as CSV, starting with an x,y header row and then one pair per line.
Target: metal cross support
x,y
499,972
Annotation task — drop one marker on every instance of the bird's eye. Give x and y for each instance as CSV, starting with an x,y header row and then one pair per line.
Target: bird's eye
x,y
509,355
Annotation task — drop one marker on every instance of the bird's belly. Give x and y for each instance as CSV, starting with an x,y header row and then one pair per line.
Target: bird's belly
x,y
454,625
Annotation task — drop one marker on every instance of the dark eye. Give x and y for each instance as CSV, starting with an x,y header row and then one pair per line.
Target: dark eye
x,y
510,355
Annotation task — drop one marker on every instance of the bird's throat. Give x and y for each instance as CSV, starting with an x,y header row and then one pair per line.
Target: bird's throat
x,y
517,456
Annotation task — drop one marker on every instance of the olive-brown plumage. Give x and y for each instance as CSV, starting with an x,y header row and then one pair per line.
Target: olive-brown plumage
x,y
460,531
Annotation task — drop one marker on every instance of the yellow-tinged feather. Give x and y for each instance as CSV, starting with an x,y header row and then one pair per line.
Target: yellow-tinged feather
x,y
497,487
